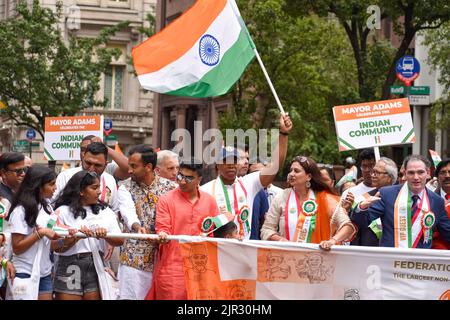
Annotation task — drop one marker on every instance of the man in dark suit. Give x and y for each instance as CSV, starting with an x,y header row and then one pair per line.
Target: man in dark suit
x,y
409,213
383,174
442,174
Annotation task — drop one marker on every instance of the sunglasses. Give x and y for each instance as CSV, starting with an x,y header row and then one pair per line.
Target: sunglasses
x,y
19,171
302,159
188,179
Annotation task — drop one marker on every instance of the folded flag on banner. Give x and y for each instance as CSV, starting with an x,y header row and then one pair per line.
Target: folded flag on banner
x,y
436,157
251,270
55,223
200,54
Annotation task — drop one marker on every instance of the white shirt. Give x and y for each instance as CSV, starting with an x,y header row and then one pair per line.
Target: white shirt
x,y
104,219
272,192
443,194
119,199
251,183
24,262
357,190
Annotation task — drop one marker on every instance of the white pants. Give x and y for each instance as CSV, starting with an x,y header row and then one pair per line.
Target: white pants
x,y
134,283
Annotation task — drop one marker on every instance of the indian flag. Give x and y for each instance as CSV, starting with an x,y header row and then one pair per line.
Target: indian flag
x,y
435,156
349,176
201,54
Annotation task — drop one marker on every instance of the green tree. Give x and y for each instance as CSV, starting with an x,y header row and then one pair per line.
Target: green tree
x,y
44,75
408,17
311,66
439,57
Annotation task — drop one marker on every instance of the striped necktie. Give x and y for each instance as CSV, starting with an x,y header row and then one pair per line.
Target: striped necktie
x,y
414,208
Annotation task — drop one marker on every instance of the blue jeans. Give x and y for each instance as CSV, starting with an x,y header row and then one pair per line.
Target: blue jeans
x,y
45,283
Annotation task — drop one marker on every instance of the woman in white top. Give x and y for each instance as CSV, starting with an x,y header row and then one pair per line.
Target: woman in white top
x,y
29,219
79,275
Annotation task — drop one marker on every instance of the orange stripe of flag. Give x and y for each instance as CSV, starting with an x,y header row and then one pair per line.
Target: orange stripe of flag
x,y
176,39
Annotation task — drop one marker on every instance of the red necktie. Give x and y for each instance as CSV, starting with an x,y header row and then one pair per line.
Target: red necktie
x,y
414,208
447,197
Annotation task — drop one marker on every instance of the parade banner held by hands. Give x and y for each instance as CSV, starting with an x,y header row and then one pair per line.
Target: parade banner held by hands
x,y
264,270
374,124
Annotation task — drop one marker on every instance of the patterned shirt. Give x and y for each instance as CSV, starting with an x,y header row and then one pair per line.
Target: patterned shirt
x,y
140,254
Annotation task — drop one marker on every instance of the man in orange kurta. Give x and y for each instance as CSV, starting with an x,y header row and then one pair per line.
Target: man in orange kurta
x,y
179,212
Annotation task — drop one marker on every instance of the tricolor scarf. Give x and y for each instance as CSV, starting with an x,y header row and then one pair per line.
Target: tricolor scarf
x,y
238,206
410,226
299,225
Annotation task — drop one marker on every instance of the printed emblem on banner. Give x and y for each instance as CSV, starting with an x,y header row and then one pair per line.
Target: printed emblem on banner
x,y
241,199
292,210
351,294
445,295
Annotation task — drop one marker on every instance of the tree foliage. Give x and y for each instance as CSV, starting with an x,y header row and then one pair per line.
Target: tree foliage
x,y
408,18
44,75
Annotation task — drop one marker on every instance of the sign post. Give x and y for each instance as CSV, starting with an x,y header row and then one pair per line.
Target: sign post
x,y
107,126
31,135
408,70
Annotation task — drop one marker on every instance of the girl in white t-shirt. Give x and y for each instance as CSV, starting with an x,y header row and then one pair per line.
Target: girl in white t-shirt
x,y
78,275
29,218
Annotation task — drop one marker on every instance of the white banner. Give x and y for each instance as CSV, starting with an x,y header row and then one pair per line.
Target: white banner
x,y
264,270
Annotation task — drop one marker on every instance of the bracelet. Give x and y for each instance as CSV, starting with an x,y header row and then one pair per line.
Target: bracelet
x,y
4,262
284,133
37,233
333,238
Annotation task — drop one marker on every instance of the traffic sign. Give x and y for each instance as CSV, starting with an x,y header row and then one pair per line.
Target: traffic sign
x,y
419,100
407,69
419,90
107,126
31,134
398,90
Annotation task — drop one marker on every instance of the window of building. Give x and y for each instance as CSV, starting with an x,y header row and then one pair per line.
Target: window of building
x,y
119,3
113,87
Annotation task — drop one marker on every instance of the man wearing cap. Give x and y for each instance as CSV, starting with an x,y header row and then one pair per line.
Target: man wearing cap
x,y
442,174
236,194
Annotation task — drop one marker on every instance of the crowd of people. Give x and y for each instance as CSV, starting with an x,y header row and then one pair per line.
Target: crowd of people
x,y
151,192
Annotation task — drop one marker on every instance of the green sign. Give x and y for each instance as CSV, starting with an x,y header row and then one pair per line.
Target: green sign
x,y
398,90
111,140
419,90
23,146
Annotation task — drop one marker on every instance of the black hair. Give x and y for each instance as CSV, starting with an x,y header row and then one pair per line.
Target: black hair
x,y
440,165
225,230
147,153
88,138
310,167
329,170
29,194
8,158
194,165
366,154
70,196
417,157
97,148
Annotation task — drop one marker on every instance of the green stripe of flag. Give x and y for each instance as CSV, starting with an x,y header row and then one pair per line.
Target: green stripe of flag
x,y
219,80
408,135
48,155
345,143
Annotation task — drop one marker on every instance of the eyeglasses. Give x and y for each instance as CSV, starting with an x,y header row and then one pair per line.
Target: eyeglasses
x,y
377,173
444,172
302,159
188,179
19,171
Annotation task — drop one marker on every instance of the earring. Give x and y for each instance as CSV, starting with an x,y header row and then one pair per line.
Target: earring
x,y
308,184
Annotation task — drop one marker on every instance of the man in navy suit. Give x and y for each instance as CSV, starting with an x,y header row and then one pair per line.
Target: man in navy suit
x,y
409,213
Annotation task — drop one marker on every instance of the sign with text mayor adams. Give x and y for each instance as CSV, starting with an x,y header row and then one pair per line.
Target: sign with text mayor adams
x,y
63,135
373,124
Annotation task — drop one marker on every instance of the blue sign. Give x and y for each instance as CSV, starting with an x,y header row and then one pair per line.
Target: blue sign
x,y
107,124
407,69
31,134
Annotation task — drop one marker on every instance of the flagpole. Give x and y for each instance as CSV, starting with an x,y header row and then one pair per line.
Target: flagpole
x,y
269,81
